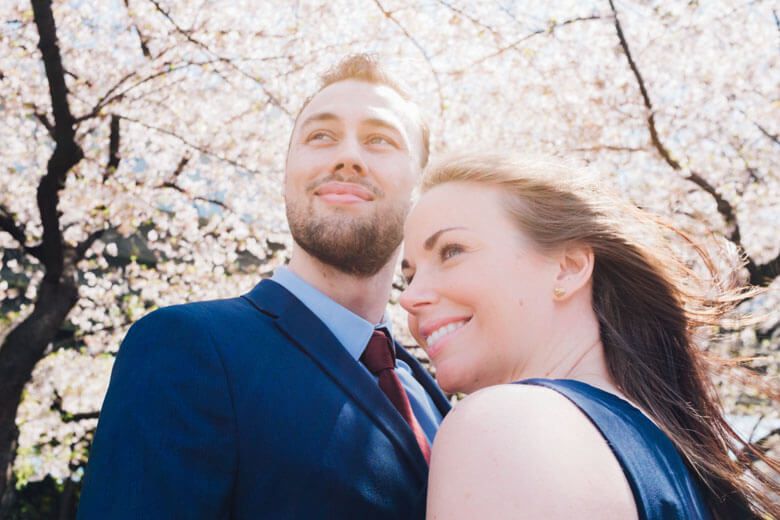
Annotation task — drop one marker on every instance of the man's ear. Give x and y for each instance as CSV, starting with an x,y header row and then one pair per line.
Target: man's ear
x,y
575,269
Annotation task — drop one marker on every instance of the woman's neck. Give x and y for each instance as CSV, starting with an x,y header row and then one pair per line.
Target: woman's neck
x,y
573,349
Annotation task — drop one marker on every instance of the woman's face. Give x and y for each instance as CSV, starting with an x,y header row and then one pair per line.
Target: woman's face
x,y
479,294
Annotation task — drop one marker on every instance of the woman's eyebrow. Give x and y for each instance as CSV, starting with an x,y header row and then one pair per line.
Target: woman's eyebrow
x,y
430,242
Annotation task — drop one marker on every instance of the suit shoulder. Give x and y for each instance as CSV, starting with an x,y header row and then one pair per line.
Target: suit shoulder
x,y
196,313
189,325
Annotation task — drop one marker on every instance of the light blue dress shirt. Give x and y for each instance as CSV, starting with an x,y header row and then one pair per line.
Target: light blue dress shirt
x,y
353,332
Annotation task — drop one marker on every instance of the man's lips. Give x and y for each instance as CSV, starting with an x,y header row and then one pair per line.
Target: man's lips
x,y
343,193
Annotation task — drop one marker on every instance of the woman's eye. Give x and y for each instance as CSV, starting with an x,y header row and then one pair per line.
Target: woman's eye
x,y
450,250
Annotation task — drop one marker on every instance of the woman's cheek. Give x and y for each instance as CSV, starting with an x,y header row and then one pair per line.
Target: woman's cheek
x,y
413,328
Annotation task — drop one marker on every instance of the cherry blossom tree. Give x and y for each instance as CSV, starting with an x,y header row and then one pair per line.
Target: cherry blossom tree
x,y
144,142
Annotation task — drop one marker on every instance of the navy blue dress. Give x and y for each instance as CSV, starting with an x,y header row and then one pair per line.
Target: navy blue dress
x,y
663,487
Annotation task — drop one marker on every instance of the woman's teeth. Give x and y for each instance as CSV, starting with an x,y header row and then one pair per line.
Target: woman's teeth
x,y
443,331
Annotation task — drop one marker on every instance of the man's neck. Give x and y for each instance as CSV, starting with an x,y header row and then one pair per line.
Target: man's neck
x,y
365,296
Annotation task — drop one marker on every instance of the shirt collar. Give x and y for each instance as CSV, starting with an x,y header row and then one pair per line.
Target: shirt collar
x,y
352,331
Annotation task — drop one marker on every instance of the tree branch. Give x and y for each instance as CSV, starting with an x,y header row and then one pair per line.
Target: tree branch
x,y
113,148
768,333
418,45
724,207
777,20
66,416
608,147
180,167
171,183
763,274
196,147
82,248
55,72
188,35
67,153
143,40
549,29
473,20
112,96
45,122
759,445
645,96
176,187
772,137
9,225
106,99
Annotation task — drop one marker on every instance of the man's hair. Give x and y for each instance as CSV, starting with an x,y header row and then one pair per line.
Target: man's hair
x,y
367,68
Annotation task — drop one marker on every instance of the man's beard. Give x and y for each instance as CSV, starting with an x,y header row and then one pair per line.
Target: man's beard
x,y
356,246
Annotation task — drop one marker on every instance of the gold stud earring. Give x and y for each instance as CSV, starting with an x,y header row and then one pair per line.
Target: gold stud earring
x,y
559,292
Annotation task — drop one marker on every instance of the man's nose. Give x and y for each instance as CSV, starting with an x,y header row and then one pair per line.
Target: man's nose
x,y
349,159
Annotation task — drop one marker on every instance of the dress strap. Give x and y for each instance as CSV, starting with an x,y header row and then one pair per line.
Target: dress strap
x,y
662,485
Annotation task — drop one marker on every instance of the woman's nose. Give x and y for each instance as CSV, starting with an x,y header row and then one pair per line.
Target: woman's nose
x,y
417,295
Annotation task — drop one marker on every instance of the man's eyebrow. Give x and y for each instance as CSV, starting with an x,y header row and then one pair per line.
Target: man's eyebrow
x,y
330,116
319,116
384,123
431,240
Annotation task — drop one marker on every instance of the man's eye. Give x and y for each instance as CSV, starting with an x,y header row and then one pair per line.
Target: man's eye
x,y
320,136
379,139
450,250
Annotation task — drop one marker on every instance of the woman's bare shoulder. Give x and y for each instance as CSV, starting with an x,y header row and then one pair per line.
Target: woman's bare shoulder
x,y
523,451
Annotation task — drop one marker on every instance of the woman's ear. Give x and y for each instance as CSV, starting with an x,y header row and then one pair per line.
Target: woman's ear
x,y
575,268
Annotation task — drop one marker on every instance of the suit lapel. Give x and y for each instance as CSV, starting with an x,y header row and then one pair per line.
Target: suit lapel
x,y
311,336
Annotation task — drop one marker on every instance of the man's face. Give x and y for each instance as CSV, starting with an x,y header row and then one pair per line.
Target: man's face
x,y
352,164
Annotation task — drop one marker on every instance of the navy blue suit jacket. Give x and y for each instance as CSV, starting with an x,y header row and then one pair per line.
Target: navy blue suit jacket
x,y
250,408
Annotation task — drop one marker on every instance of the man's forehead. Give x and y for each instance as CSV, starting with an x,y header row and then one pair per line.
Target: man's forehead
x,y
352,98
368,114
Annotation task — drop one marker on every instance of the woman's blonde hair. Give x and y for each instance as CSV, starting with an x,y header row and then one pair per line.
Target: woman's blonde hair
x,y
648,301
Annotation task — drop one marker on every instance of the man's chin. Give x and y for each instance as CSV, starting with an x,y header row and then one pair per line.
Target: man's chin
x,y
338,218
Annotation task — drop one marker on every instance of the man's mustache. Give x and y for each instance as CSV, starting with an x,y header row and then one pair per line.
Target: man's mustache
x,y
351,180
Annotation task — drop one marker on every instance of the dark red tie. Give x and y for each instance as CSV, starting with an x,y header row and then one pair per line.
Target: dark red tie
x,y
379,358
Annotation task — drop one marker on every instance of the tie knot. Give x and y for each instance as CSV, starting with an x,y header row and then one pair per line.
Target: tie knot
x,y
379,354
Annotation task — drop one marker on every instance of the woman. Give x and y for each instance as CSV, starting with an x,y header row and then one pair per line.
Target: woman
x,y
523,271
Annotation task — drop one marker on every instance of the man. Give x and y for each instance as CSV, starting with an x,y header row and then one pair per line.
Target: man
x,y
272,405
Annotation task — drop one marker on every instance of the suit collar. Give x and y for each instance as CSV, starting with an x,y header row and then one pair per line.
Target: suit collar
x,y
425,379
351,330
313,338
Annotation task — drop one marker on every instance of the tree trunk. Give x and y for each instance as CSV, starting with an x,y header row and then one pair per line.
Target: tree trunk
x,y
24,346
21,349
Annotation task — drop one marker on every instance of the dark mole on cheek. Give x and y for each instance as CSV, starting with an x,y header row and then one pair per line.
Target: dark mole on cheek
x,y
521,302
